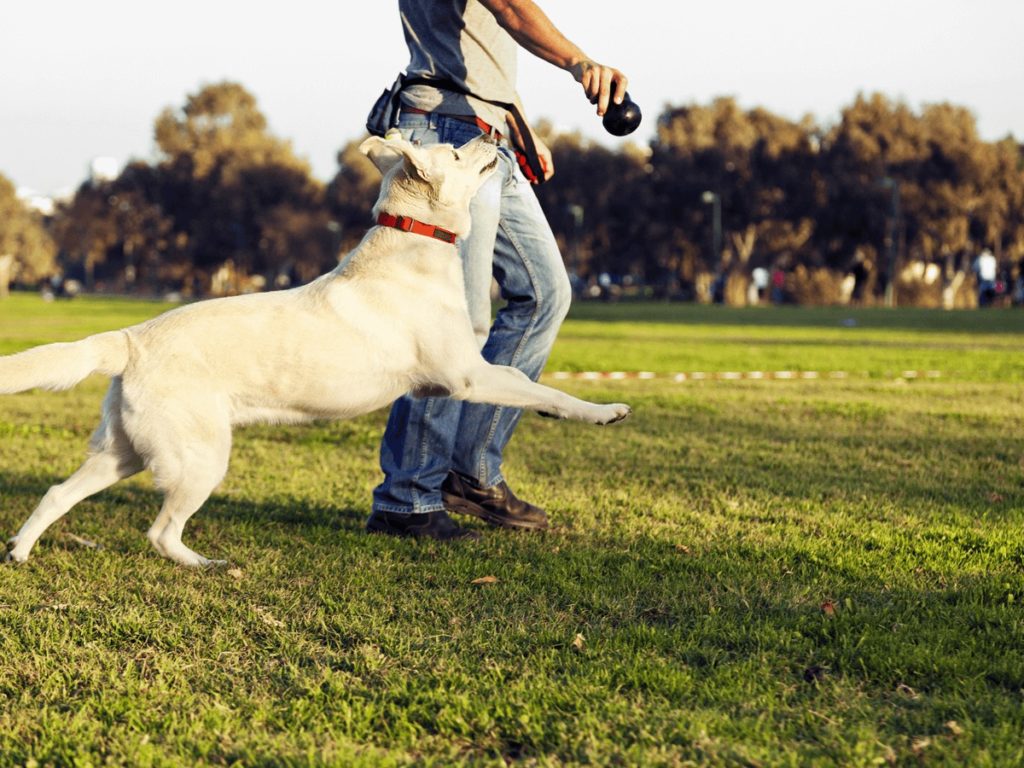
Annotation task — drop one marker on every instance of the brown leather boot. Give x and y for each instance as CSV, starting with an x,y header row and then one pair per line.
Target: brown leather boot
x,y
497,504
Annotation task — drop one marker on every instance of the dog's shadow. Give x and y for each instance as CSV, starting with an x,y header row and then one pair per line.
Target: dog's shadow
x,y
135,507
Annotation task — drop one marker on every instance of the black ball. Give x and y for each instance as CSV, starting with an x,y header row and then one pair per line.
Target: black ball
x,y
622,119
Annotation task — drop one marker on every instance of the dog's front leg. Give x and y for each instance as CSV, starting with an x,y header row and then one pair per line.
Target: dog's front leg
x,y
502,385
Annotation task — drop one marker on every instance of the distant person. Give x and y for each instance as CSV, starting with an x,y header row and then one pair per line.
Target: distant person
x,y
778,285
761,278
440,454
985,269
861,271
718,288
1018,285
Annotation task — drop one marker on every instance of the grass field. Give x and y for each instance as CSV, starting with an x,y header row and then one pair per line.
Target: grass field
x,y
744,573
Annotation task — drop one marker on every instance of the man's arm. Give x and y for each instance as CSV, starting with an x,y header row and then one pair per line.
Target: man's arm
x,y
533,30
547,162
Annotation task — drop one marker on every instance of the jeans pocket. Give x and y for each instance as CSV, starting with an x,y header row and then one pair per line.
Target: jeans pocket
x,y
456,132
513,175
417,129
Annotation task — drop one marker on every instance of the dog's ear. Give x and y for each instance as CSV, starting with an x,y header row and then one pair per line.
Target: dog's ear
x,y
383,153
386,153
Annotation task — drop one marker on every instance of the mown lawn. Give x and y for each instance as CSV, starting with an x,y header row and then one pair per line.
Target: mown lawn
x,y
808,572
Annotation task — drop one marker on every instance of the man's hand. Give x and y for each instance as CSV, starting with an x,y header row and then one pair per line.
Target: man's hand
x,y
543,153
602,84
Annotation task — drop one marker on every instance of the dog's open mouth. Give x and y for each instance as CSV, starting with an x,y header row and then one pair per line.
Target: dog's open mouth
x,y
490,166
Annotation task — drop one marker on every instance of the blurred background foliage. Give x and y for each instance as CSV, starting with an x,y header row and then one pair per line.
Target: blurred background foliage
x,y
885,197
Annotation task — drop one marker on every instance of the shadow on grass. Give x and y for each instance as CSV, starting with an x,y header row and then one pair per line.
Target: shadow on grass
x,y
145,504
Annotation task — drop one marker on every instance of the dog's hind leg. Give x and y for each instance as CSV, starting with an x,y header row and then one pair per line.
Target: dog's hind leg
x,y
99,471
187,477
165,533
112,459
502,385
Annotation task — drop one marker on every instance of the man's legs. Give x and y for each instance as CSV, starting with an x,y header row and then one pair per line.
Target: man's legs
x,y
512,241
535,286
510,230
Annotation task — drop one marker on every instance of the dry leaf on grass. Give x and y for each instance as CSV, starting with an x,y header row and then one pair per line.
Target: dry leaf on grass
x,y
235,573
268,618
828,608
578,642
82,542
485,580
954,727
906,690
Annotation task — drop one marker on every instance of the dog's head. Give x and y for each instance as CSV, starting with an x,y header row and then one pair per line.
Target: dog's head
x,y
434,184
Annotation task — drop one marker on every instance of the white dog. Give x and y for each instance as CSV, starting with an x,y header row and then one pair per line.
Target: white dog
x,y
390,319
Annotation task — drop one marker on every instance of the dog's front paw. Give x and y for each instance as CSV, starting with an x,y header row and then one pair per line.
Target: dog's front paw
x,y
10,557
612,413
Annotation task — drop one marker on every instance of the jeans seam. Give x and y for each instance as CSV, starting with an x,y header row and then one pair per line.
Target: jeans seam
x,y
424,434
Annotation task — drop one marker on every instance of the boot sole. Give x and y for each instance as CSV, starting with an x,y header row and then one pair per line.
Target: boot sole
x,y
464,507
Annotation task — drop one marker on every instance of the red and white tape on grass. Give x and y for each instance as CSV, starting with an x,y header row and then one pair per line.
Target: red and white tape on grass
x,y
727,375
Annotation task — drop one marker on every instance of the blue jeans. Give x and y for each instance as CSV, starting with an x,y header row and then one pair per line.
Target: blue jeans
x,y
511,240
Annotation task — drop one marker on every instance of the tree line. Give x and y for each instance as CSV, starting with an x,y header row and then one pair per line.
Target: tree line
x,y
888,199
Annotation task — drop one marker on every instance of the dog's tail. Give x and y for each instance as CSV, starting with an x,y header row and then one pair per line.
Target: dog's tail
x,y
61,366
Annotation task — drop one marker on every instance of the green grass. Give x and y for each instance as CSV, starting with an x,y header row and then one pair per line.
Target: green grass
x,y
763,573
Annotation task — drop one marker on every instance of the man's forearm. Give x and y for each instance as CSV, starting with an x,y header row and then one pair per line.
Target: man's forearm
x,y
533,30
530,27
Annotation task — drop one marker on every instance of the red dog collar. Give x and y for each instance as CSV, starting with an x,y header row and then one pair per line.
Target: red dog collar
x,y
406,224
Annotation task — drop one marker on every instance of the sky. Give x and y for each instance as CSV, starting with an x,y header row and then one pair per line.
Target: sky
x,y
85,79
